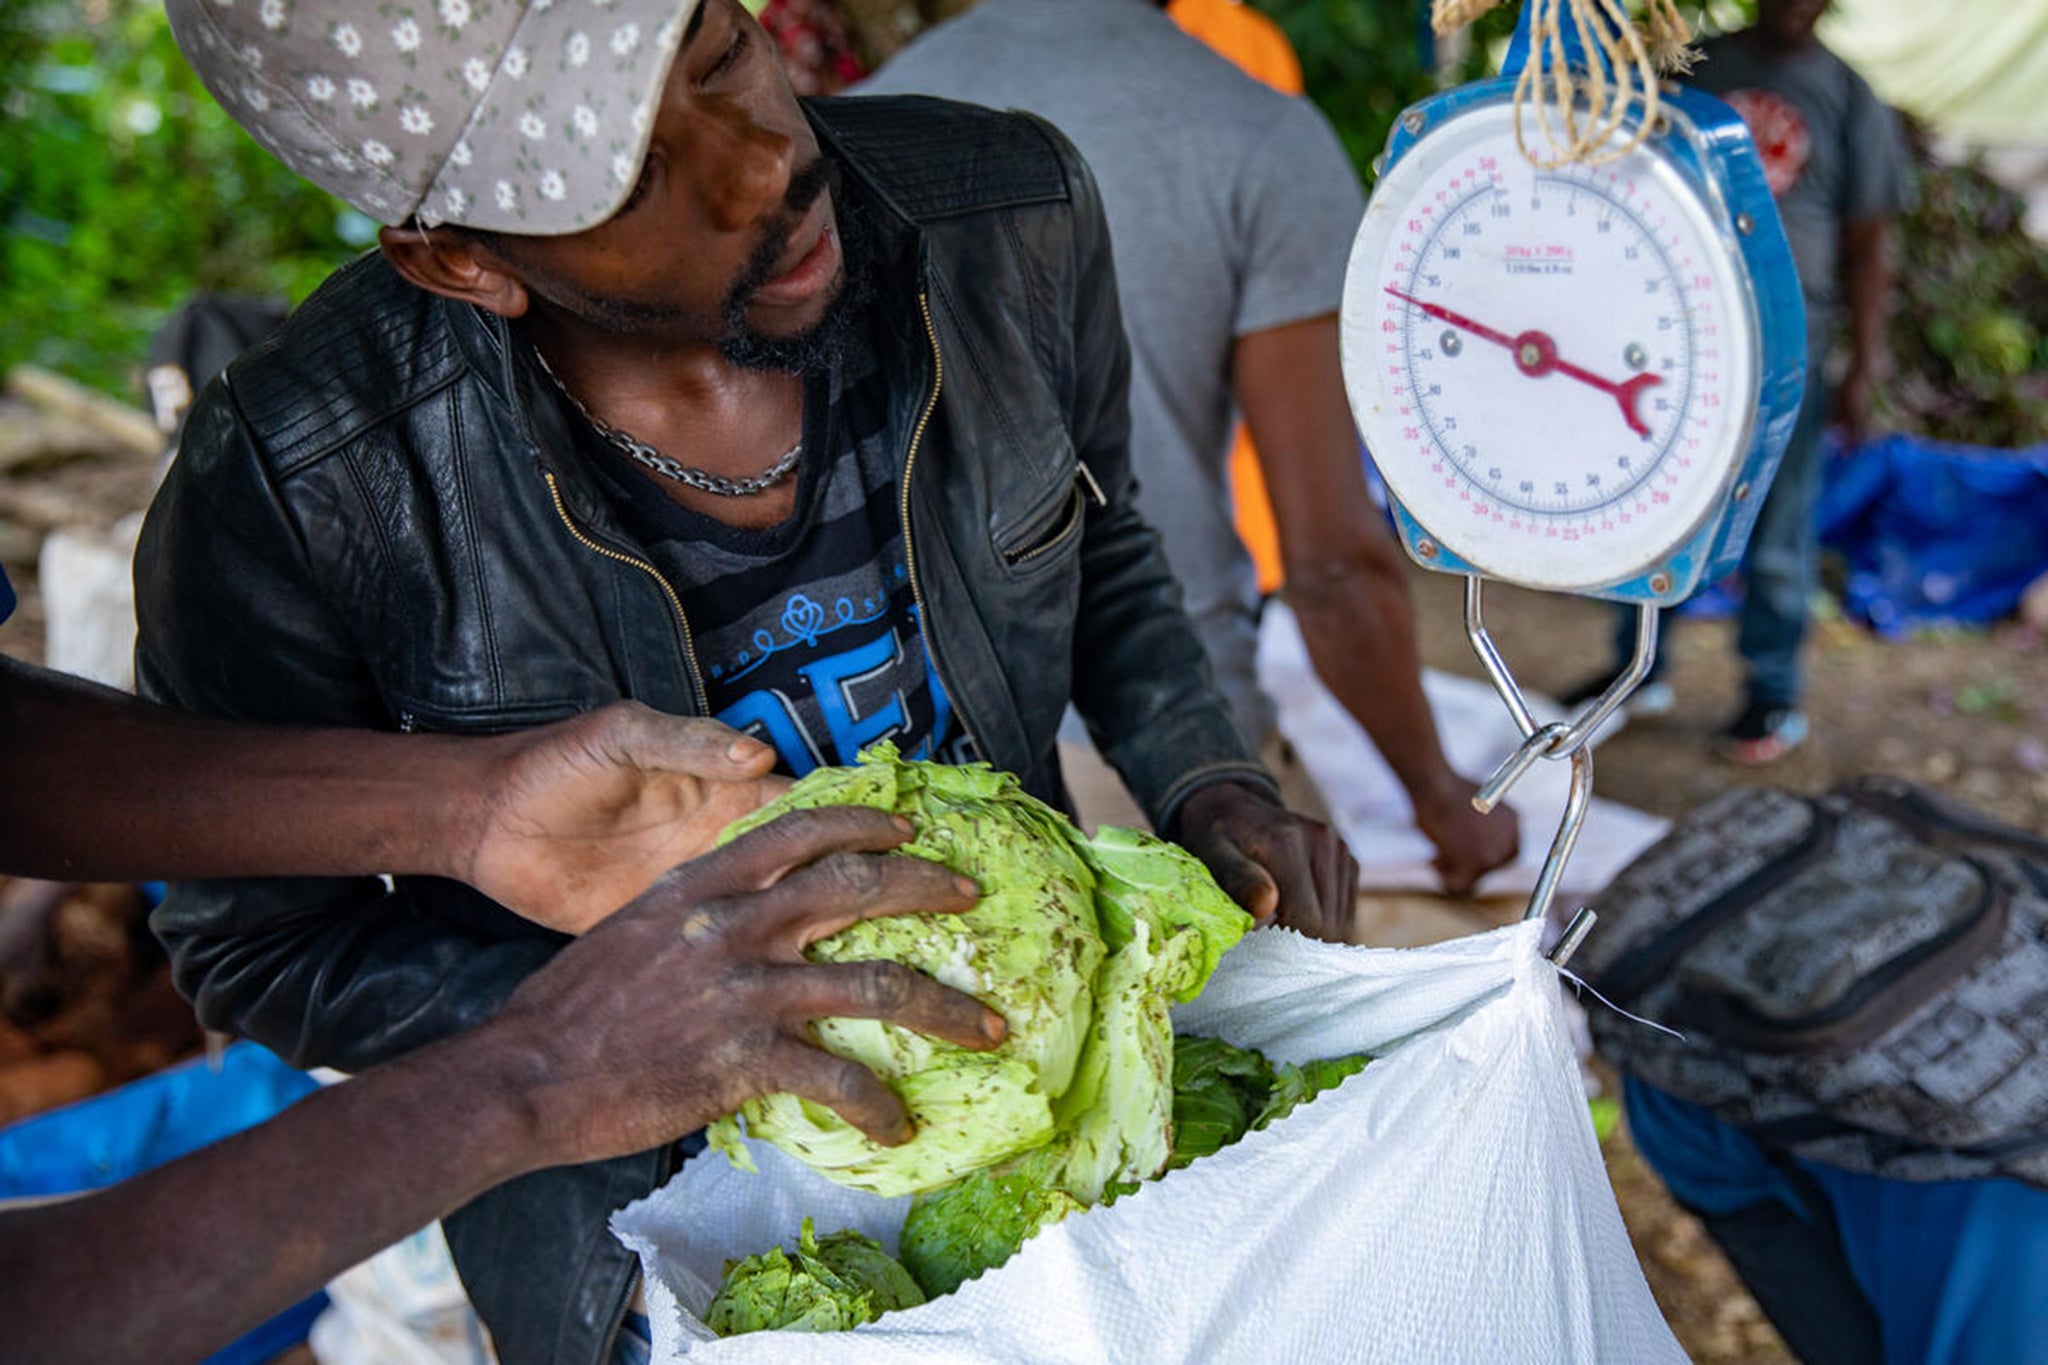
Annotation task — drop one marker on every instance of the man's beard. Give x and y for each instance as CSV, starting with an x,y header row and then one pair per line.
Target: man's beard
x,y
814,350
821,346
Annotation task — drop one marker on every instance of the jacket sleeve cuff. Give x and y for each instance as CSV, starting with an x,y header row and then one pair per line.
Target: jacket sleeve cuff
x,y
1250,775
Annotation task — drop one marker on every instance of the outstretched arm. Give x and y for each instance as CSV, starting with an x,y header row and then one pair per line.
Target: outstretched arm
x,y
236,622
563,824
1346,582
671,1013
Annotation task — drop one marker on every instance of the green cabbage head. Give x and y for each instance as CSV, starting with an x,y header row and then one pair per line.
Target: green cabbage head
x,y
1080,945
1030,950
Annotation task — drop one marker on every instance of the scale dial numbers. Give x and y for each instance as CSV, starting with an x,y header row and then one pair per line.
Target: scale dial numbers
x,y
1554,370
1638,353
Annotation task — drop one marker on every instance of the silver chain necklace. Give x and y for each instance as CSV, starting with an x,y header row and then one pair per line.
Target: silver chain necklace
x,y
669,468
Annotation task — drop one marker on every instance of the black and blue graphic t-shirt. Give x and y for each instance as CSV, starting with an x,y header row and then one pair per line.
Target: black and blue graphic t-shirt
x,y
806,633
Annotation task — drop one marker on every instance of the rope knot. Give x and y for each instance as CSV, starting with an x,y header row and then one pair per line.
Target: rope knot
x,y
1603,110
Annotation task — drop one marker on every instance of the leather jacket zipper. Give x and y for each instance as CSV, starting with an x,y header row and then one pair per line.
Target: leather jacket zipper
x,y
1037,540
1042,544
589,542
924,616
1087,476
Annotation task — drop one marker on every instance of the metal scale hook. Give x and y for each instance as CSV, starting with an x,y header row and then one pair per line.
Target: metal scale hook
x,y
1563,740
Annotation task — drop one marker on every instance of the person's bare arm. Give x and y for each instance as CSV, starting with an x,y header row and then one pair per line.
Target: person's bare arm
x,y
563,824
671,1013
1866,265
1347,583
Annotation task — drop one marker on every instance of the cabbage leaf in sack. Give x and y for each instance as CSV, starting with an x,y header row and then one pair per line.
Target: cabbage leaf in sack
x,y
1218,1090
1114,1127
1030,950
951,1235
1297,1085
1141,876
1116,1123
832,1284
1168,924
1219,1093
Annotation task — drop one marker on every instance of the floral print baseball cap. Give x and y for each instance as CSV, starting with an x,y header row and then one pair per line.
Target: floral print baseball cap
x,y
521,116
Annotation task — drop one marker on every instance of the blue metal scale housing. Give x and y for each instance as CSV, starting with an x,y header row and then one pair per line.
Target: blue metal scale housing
x,y
1579,379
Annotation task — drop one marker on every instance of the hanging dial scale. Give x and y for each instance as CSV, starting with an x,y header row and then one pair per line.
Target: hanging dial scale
x,y
1573,342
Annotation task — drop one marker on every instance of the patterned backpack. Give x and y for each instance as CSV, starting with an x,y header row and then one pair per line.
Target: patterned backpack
x,y
1860,978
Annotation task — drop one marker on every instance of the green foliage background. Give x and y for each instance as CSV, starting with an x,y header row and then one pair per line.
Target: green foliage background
x,y
1364,61
124,189
1969,331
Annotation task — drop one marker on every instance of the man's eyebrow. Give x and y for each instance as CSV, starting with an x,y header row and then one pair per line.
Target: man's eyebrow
x,y
696,22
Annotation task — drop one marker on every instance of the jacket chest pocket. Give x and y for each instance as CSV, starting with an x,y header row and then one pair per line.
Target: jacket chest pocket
x,y
1052,525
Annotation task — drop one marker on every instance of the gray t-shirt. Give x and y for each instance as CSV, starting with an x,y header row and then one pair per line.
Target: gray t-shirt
x,y
1831,150
1231,209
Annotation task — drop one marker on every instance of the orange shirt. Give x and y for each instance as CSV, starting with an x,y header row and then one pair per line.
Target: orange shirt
x,y
1258,47
1247,37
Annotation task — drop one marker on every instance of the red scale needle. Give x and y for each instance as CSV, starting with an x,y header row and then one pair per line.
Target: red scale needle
x,y
1536,356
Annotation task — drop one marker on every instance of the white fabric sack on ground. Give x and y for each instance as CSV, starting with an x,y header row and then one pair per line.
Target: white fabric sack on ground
x,y
1447,1204
1371,809
403,1306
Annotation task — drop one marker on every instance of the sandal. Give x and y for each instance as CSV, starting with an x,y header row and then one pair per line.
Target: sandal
x,y
1764,733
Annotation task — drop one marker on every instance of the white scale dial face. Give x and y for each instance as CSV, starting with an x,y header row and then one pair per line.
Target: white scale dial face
x,y
1555,371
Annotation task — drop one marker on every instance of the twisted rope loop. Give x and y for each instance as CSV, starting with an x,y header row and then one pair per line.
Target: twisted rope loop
x,y
1581,112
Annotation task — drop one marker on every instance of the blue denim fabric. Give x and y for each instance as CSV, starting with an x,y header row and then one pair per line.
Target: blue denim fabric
x,y
1782,563
634,1344
1957,1270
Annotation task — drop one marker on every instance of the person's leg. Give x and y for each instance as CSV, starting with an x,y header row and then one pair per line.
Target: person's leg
x,y
1796,1270
1775,1225
1961,1266
1780,569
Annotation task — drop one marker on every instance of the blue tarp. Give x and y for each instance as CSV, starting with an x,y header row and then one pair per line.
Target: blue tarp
x,y
1935,533
1931,534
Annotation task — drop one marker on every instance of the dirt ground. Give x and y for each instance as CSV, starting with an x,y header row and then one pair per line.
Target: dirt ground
x,y
1966,712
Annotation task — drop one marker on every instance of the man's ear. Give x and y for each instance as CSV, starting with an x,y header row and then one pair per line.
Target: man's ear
x,y
455,265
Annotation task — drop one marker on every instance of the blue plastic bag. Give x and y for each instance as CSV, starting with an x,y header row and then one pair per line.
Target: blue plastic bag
x,y
146,1123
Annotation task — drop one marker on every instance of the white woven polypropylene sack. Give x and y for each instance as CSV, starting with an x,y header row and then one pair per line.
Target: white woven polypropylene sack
x,y
1446,1204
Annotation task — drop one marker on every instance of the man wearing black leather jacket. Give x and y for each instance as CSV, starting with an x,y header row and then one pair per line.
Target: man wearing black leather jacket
x,y
807,417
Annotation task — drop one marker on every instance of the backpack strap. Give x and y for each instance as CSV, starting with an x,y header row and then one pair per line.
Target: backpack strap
x,y
1797,1130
